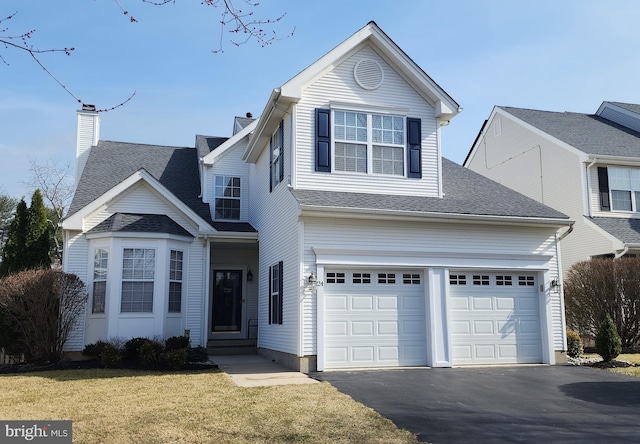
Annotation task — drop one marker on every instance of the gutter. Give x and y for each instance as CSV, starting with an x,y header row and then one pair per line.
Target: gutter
x,y
367,213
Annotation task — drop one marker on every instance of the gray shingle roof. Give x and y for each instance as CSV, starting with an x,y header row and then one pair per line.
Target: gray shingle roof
x,y
109,163
206,144
587,132
466,192
139,223
627,230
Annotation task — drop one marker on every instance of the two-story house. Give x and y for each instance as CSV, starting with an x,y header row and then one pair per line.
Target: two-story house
x,y
330,228
584,165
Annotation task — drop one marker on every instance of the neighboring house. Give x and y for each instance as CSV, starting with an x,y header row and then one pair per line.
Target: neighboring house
x,y
584,165
330,229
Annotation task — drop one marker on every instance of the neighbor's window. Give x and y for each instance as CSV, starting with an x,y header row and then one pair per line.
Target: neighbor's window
x,y
624,184
369,143
138,271
227,195
100,265
175,281
276,166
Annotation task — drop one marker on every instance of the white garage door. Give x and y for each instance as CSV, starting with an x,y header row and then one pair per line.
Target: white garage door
x,y
374,319
495,318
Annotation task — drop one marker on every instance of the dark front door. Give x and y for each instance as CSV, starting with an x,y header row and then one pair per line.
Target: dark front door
x,y
226,312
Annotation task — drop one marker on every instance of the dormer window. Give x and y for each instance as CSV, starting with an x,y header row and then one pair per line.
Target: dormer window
x,y
227,194
368,143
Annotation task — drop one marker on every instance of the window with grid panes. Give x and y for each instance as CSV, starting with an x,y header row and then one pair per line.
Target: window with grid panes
x,y
175,281
138,271
227,194
100,266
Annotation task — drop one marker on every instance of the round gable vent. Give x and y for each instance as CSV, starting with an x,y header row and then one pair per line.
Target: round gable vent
x,y
368,74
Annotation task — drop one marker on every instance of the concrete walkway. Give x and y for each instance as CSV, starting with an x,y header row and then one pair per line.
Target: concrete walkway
x,y
258,371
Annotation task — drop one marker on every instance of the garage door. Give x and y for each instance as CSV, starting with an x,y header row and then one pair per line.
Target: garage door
x,y
494,318
374,318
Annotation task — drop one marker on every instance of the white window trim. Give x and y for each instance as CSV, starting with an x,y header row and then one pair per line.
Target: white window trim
x,y
369,144
635,203
152,281
216,197
105,280
180,281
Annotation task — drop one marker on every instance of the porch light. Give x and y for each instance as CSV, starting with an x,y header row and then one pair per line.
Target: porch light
x,y
555,285
249,276
312,282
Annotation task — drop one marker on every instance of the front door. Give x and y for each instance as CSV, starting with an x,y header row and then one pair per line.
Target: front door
x,y
227,312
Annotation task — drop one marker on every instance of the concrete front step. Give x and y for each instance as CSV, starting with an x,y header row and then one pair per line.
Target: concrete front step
x,y
232,347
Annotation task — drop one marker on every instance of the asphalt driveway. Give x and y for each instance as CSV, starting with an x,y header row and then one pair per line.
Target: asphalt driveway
x,y
545,404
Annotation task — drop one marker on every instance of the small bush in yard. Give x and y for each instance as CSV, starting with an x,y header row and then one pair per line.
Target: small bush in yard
x,y
574,344
151,353
94,349
111,356
176,342
131,349
608,343
176,359
197,354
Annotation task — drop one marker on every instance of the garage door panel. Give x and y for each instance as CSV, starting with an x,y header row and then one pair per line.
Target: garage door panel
x,y
493,323
379,323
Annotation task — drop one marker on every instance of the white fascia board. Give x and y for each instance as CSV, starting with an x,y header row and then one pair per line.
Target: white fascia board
x,y
276,108
233,236
375,258
378,214
75,221
534,129
225,147
138,235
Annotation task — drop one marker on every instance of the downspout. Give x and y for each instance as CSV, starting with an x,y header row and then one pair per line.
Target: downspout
x,y
622,252
588,196
566,233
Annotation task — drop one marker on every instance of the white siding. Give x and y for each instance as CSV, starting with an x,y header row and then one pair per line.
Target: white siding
x,y
195,292
274,215
431,245
140,199
75,261
338,85
230,164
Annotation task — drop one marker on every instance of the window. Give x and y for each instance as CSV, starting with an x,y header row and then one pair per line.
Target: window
x,y
624,184
335,277
410,278
457,279
138,270
369,143
275,293
479,279
227,195
504,280
100,265
175,281
386,278
526,281
276,166
361,278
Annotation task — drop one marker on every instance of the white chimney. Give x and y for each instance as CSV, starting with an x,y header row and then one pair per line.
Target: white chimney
x,y
87,136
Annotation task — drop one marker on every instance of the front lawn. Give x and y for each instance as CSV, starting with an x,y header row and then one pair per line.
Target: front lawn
x,y
125,406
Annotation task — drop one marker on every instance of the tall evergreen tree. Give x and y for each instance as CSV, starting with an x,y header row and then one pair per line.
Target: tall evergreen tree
x,y
13,258
37,238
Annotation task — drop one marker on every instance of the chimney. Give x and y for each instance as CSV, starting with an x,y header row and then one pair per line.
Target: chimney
x,y
87,136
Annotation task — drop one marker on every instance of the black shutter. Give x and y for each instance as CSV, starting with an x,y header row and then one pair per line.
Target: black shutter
x,y
281,129
280,292
414,148
270,293
603,186
271,164
323,140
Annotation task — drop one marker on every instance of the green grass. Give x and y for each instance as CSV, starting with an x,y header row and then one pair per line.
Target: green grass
x,y
124,406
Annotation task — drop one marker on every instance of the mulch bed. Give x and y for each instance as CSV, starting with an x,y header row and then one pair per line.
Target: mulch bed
x,y
94,363
613,364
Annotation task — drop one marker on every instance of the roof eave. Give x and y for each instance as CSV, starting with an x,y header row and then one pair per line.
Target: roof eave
x,y
368,213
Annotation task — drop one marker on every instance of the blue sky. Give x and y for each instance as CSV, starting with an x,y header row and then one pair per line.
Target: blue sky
x,y
555,55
